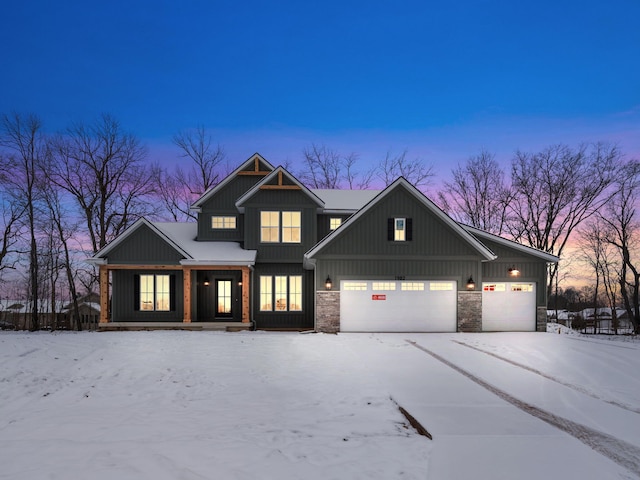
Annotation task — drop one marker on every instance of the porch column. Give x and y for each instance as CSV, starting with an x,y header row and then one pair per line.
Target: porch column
x,y
104,294
186,285
246,315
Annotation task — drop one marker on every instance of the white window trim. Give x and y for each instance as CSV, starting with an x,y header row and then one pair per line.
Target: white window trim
x,y
226,220
399,234
283,231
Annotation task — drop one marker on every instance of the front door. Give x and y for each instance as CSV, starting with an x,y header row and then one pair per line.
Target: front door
x,y
223,298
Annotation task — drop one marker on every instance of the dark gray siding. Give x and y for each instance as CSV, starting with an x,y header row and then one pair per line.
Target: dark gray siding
x,y
144,246
324,224
284,320
280,200
123,306
532,269
207,234
432,237
409,269
224,203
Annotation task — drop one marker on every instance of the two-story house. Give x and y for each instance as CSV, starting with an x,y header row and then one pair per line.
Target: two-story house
x,y
269,253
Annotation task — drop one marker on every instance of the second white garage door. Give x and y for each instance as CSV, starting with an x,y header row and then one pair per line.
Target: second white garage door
x,y
397,306
509,307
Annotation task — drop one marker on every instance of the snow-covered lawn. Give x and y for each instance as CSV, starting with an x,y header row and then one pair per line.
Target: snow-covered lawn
x,y
255,405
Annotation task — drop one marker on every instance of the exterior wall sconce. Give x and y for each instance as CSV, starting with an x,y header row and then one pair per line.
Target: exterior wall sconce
x,y
206,281
328,284
514,272
471,285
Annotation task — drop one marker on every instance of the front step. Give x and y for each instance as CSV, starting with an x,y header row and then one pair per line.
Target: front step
x,y
195,326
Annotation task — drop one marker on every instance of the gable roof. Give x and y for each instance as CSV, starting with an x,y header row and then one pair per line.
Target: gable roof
x,y
547,257
278,174
256,159
401,182
182,237
100,255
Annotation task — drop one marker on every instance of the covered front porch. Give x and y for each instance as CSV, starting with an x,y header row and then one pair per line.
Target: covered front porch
x,y
200,297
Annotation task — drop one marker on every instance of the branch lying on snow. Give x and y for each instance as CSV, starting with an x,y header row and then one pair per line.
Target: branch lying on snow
x,y
413,422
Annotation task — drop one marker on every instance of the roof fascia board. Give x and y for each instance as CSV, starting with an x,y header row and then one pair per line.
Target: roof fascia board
x,y
250,193
99,257
197,205
401,181
548,257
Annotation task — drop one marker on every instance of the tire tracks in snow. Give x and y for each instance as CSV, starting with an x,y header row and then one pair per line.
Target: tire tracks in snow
x,y
577,388
625,454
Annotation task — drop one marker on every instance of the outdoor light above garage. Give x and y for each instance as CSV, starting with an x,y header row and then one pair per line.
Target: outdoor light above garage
x,y
514,272
471,285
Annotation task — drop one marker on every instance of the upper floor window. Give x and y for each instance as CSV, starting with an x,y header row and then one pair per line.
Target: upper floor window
x,y
334,223
270,227
223,223
399,229
282,227
291,227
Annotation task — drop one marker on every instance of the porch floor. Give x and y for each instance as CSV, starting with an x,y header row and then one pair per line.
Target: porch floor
x,y
196,326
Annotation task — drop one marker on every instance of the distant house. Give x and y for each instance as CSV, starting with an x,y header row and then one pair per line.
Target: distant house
x,y
269,253
600,320
17,313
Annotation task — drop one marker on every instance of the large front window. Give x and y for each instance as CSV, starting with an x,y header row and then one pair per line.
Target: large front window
x,y
276,227
155,293
280,293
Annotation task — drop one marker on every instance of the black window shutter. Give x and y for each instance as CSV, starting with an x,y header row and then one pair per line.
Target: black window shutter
x,y
172,293
390,229
136,292
409,235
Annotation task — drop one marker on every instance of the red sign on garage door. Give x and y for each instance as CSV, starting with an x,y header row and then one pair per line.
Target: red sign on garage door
x,y
378,297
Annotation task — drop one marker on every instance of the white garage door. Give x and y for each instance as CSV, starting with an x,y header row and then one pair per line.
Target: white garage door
x,y
397,306
509,307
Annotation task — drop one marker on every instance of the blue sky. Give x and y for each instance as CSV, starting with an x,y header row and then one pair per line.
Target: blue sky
x,y
441,79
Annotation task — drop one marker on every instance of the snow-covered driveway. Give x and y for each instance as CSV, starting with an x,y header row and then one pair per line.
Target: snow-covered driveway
x,y
186,405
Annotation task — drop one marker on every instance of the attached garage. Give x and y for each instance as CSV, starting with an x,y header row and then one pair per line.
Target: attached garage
x,y
509,307
398,306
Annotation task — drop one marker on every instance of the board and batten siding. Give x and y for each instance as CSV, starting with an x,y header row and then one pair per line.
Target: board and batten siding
x,y
144,246
123,304
284,320
224,203
280,200
432,237
532,269
408,269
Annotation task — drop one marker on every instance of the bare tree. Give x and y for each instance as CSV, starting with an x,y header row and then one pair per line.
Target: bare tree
x,y
620,217
323,167
478,194
179,188
11,212
557,189
103,169
596,253
197,145
63,229
415,171
327,168
22,136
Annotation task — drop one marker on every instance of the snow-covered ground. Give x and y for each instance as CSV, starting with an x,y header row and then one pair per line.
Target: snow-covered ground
x,y
256,405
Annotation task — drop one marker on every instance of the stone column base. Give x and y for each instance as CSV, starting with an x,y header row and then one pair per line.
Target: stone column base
x,y
327,311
